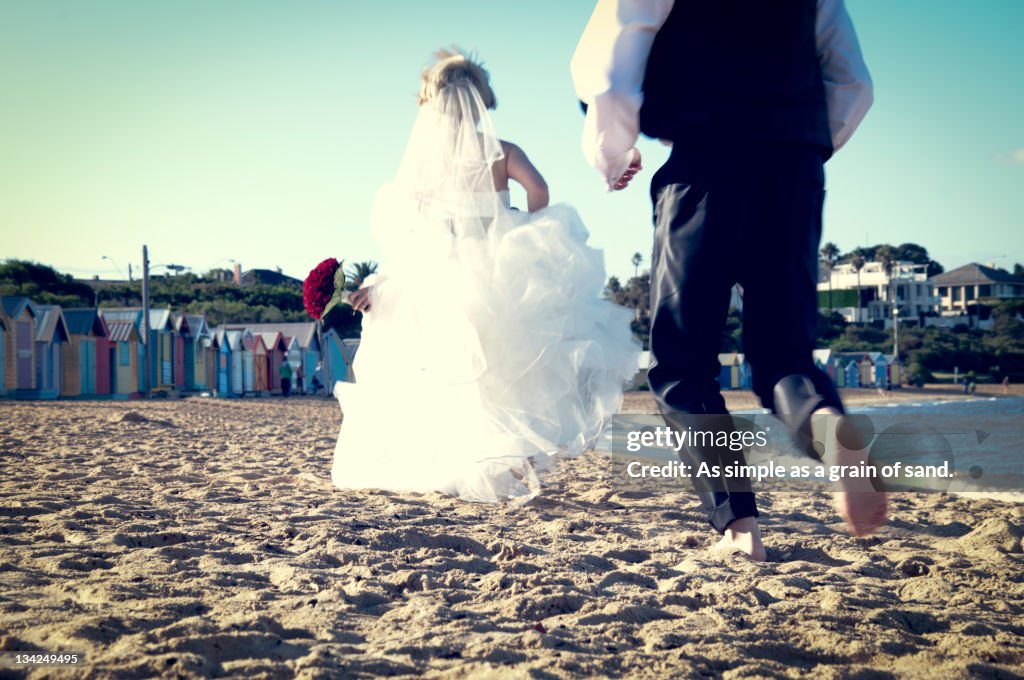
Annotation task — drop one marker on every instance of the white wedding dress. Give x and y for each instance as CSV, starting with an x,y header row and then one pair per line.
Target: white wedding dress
x,y
487,348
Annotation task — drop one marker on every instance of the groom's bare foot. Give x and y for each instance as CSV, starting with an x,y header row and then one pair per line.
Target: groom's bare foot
x,y
744,536
864,512
862,507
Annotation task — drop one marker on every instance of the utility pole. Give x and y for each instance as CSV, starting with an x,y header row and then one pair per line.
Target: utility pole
x,y
145,320
896,333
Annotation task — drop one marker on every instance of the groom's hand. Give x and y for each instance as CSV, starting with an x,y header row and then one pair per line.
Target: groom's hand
x,y
635,166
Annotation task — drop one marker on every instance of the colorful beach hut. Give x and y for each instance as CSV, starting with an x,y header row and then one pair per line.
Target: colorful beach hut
x,y
133,315
735,371
825,361
261,366
895,369
192,335
20,320
86,356
51,336
229,363
309,340
3,356
276,355
162,358
210,361
126,377
879,368
248,370
851,371
339,353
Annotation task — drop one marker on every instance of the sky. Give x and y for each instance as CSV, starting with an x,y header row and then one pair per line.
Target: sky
x,y
259,131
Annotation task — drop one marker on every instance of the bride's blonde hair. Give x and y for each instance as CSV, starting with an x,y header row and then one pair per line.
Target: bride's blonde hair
x,y
454,66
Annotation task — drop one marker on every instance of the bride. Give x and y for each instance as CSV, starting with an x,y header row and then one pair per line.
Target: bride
x,y
486,349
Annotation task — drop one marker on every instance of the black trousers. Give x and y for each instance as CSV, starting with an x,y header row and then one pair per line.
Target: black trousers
x,y
752,216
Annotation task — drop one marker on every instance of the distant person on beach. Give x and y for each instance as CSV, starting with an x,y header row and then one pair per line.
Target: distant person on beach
x,y
1006,384
318,378
300,386
753,98
486,347
285,372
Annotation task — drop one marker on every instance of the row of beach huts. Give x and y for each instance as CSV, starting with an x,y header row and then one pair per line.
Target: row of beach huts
x,y
846,369
48,352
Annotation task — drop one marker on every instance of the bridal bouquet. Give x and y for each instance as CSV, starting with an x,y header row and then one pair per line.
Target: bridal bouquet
x,y
323,294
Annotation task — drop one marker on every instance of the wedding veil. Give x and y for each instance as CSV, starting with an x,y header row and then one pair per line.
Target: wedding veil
x,y
445,181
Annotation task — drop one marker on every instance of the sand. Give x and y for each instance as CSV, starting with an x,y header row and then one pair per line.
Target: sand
x,y
203,538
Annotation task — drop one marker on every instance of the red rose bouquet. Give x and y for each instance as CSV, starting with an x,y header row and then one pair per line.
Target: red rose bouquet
x,y
323,294
323,288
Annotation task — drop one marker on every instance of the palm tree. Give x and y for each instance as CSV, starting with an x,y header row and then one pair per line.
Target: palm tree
x,y
857,262
637,259
830,255
357,273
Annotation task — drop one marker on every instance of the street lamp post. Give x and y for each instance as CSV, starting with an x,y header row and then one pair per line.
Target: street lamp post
x,y
145,321
896,332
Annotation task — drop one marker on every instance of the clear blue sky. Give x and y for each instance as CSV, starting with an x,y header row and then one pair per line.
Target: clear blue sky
x,y
259,131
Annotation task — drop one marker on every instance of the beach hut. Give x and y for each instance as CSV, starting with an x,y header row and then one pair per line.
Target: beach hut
x,y
895,370
261,366
309,341
825,361
735,372
248,370
229,359
351,347
162,358
211,355
233,342
200,336
51,335
339,353
276,355
126,377
191,334
293,355
133,315
21,319
86,356
852,373
865,371
3,356
879,368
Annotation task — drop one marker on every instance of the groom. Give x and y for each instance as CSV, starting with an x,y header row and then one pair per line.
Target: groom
x,y
753,97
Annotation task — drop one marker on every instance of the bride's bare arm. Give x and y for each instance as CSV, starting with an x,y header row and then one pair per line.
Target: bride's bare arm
x,y
521,170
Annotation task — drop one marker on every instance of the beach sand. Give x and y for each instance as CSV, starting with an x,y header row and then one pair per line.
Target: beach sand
x,y
203,537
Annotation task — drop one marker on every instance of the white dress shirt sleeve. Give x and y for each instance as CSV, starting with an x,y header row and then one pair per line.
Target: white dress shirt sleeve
x,y
608,72
848,89
611,58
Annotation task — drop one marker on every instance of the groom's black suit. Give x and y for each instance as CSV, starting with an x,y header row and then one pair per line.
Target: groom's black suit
x,y
737,88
